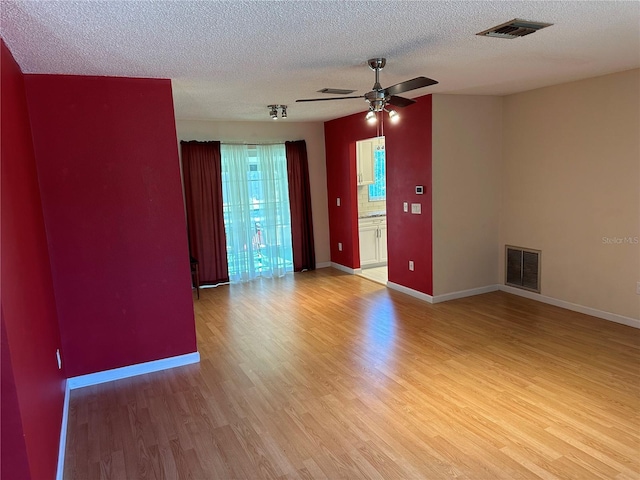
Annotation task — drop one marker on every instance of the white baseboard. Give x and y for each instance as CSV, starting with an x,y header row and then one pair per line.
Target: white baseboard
x,y
323,265
464,293
201,287
410,291
132,370
342,268
62,446
108,376
612,317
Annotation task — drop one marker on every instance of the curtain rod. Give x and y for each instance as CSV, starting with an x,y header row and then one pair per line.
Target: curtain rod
x,y
256,144
240,143
250,144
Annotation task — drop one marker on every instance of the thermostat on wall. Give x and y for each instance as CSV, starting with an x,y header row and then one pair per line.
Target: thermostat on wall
x,y
419,189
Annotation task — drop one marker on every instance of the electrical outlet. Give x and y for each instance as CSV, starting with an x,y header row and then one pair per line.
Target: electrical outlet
x,y
411,265
339,246
338,201
59,359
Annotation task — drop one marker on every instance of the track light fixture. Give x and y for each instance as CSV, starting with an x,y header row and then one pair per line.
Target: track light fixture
x,y
273,111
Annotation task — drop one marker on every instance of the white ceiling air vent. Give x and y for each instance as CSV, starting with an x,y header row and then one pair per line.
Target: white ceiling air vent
x,y
514,29
336,91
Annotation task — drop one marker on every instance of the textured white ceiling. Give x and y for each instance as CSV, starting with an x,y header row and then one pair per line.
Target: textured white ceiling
x,y
229,60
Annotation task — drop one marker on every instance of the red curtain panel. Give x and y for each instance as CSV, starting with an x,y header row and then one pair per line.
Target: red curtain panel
x,y
304,256
202,173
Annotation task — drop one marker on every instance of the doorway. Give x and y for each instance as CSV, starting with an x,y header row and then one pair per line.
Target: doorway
x,y
372,208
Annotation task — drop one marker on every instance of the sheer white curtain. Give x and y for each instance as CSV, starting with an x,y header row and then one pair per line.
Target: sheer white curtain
x,y
256,211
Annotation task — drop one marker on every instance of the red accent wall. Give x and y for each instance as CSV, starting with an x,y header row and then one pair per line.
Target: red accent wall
x,y
107,159
13,458
408,148
32,385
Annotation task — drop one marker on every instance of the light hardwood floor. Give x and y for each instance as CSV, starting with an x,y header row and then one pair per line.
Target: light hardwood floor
x,y
328,375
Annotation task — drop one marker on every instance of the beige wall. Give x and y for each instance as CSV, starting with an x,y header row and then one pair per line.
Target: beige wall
x,y
270,132
467,140
571,180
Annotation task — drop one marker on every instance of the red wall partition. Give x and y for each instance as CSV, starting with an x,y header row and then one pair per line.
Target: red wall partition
x,y
408,153
32,385
107,161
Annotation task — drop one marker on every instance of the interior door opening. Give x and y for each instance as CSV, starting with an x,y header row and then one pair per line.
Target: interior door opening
x,y
371,188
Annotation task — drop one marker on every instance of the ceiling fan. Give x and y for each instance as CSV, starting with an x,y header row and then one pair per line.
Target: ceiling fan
x,y
378,98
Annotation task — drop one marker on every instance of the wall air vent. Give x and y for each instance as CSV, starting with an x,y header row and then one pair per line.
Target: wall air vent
x,y
514,29
336,91
523,268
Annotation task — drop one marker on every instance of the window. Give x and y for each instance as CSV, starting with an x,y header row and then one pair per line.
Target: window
x,y
257,218
378,190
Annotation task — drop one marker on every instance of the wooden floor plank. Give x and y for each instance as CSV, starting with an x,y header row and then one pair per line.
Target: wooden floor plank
x,y
328,375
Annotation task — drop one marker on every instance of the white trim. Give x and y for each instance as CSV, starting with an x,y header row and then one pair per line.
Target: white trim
x,y
323,265
132,370
107,376
612,317
352,271
62,447
202,287
410,291
445,297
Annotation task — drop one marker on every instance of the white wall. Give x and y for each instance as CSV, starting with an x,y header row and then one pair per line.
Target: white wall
x,y
467,153
365,206
272,132
571,181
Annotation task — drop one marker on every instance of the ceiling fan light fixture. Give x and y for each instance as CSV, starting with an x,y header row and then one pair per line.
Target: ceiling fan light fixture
x,y
379,97
370,117
393,116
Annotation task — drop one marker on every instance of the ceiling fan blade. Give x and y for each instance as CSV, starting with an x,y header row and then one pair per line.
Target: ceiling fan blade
x,y
325,99
412,84
400,101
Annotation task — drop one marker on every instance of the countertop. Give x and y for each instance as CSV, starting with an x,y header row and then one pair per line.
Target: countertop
x,y
372,214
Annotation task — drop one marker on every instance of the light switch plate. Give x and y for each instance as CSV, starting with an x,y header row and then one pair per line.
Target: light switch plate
x,y
338,201
405,207
416,208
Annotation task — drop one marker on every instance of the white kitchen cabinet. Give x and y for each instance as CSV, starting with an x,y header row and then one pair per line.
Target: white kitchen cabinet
x,y
373,241
368,244
365,162
365,159
382,243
